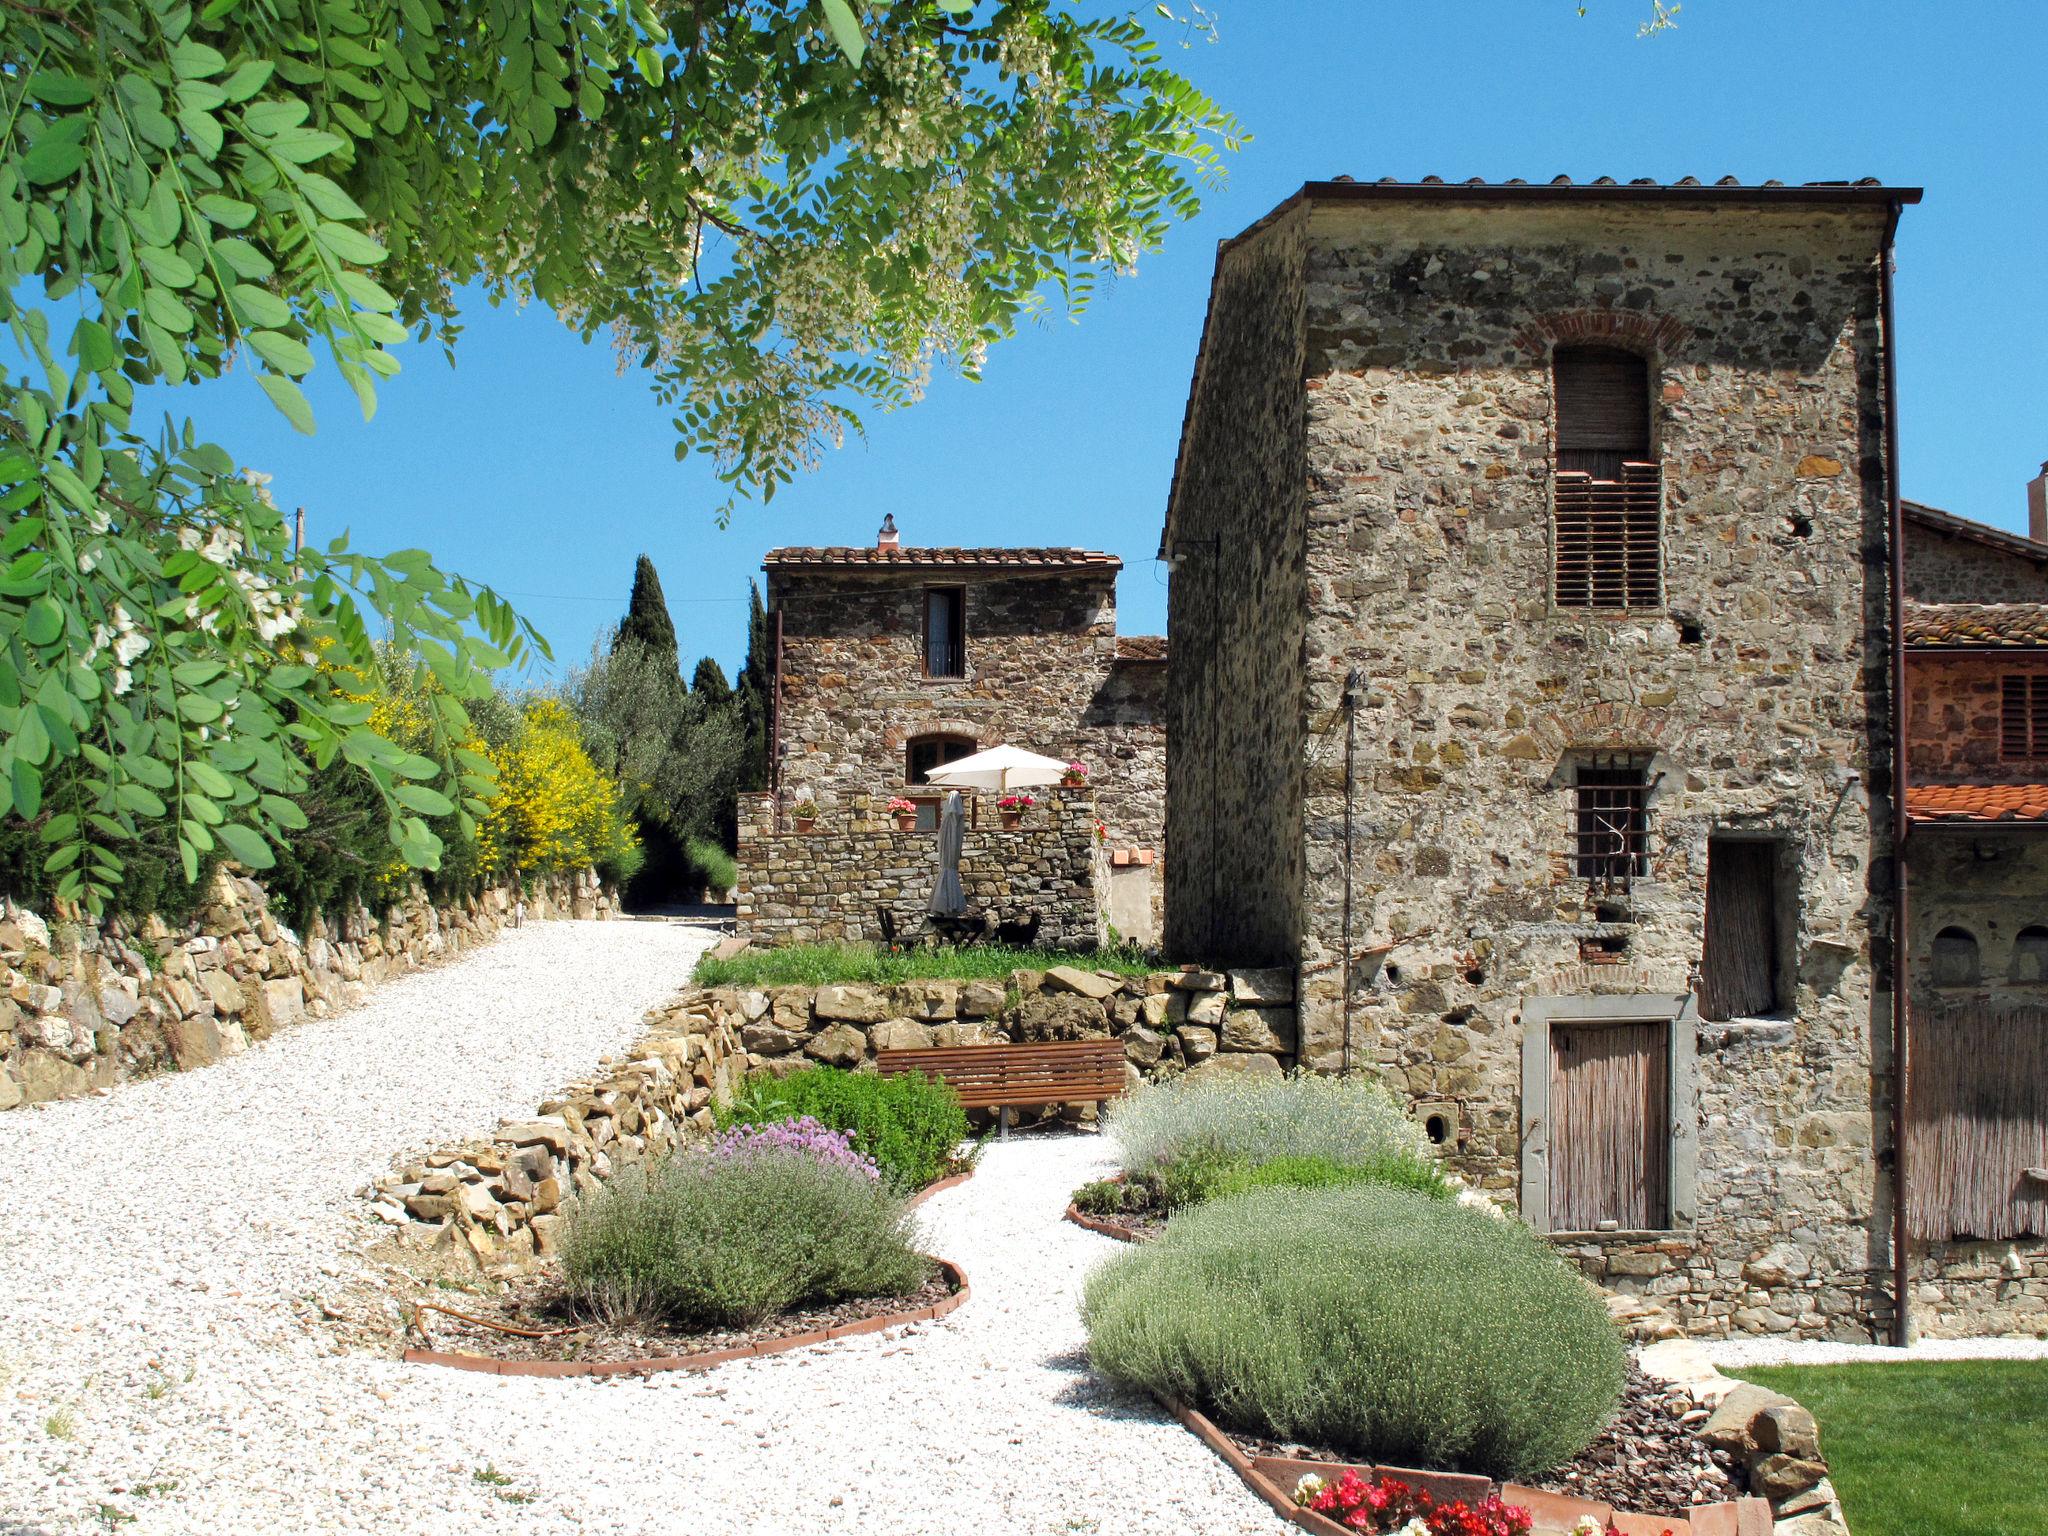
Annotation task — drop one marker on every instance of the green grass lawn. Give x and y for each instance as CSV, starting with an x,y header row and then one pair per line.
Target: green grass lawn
x,y
1949,1448
817,965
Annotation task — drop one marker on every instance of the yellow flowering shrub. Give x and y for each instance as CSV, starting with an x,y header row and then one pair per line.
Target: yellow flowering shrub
x,y
554,810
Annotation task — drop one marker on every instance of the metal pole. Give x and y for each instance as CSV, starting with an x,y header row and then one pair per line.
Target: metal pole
x,y
1901,828
298,531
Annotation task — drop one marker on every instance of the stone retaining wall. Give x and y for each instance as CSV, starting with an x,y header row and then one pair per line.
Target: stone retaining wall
x,y
86,1005
825,885
499,1194
1208,1021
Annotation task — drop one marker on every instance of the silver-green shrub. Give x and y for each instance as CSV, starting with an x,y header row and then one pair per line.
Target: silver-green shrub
x,y
1376,1321
1348,1120
710,1242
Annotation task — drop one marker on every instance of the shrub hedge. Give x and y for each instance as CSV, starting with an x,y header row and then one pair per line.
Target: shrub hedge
x,y
1372,1320
912,1125
1351,1121
716,1242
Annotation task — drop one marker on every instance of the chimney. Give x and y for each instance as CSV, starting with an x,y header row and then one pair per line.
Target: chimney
x,y
2037,507
887,542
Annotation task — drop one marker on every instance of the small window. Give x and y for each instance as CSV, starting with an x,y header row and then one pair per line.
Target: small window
x,y
2023,716
1740,965
1611,821
2030,955
1956,961
945,637
1606,530
928,752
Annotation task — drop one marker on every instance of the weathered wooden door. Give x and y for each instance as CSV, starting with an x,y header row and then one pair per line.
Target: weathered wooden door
x,y
1976,1122
1610,1134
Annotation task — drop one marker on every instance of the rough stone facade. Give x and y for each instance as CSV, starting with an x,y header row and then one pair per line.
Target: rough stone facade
x,y
1044,670
84,1006
1395,359
1950,559
828,884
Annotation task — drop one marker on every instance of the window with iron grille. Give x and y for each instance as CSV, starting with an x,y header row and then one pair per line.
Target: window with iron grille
x,y
2023,715
1607,520
1611,820
945,632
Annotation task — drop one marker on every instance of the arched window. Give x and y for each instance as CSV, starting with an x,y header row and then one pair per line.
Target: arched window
x,y
1606,532
2030,955
924,753
1956,963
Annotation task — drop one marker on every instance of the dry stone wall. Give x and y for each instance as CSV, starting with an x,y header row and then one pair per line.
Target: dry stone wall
x,y
501,1195
1953,710
1946,565
827,884
86,1005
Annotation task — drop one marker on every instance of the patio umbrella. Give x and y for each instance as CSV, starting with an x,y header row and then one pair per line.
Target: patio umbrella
x,y
1000,768
948,900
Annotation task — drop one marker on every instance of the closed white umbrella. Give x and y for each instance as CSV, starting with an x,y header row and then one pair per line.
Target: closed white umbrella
x,y
1000,768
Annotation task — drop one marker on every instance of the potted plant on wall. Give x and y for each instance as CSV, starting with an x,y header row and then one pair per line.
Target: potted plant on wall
x,y
905,812
1013,807
1076,776
806,813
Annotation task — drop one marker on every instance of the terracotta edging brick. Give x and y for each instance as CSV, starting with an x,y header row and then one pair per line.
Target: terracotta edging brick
x,y
1117,1230
1555,1512
704,1360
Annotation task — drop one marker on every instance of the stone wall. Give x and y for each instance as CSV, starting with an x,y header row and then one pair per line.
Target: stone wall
x,y
1947,565
500,1195
88,1005
825,885
1234,837
1045,671
1210,1021
1953,705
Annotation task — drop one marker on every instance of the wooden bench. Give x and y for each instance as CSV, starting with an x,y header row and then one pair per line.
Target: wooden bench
x,y
1000,1076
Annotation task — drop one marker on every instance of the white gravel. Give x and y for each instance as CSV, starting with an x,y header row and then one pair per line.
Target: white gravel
x,y
1735,1353
158,1358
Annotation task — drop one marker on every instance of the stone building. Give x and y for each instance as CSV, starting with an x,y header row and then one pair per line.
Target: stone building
x,y
1533,551
895,659
1976,794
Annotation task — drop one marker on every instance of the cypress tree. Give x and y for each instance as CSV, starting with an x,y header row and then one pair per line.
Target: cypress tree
x,y
757,682
647,621
708,683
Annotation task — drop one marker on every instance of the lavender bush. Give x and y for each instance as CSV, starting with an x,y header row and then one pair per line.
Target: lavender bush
x,y
803,1136
772,1217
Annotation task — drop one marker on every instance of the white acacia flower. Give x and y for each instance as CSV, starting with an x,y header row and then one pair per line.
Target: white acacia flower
x,y
123,679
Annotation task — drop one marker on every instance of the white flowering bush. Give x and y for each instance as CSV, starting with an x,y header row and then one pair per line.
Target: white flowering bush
x,y
1348,1121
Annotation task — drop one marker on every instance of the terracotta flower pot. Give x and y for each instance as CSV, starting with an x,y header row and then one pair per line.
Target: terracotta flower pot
x,y
805,823
1011,819
906,821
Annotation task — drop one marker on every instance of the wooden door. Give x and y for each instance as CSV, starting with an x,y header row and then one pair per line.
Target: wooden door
x,y
1977,1122
1610,1132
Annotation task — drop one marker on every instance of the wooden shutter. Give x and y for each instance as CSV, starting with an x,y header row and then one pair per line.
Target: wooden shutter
x,y
1976,1121
1610,1132
1739,968
1603,401
2023,715
1607,537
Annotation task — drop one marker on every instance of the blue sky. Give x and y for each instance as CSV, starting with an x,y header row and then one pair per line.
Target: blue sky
x,y
535,466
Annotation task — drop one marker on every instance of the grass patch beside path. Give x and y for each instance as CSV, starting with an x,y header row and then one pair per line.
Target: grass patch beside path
x,y
818,965
1930,1448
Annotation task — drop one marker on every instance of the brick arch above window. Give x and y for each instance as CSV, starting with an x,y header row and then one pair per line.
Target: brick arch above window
x,y
1600,728
1656,336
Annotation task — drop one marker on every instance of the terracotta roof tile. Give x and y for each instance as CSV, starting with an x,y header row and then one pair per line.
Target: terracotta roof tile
x,y
1141,647
923,556
1977,802
1971,625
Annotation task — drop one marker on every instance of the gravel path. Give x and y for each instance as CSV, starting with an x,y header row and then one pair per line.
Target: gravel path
x,y
163,1367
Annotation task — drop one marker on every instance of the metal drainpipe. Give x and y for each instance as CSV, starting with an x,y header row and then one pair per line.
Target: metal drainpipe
x,y
1351,682
775,726
1901,827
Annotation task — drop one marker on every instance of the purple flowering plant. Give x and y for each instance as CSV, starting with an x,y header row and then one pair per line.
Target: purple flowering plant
x,y
800,1137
